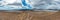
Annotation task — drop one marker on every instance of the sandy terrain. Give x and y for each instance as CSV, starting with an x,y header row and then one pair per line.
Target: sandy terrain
x,y
29,15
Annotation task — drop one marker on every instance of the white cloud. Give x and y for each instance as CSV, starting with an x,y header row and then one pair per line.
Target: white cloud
x,y
9,1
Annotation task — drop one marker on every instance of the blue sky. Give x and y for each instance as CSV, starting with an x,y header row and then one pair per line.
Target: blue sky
x,y
13,4
37,4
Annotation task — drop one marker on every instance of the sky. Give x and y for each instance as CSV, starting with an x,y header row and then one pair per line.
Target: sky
x,y
13,4
46,4
35,4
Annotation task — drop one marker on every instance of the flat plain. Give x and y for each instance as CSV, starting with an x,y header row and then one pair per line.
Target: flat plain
x,y
30,15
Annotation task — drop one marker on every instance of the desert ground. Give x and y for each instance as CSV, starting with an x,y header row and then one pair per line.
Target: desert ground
x,y
30,15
